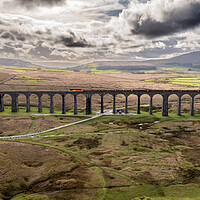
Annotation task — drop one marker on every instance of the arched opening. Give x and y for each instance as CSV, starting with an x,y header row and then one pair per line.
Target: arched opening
x,y
22,103
34,103
120,103
157,101
197,104
132,103
81,104
45,103
96,103
173,104
7,102
69,104
145,103
108,103
57,101
185,103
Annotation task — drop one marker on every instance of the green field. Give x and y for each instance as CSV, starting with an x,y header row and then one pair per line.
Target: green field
x,y
136,157
184,81
113,157
34,110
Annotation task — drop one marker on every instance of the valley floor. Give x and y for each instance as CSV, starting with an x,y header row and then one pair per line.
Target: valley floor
x,y
112,157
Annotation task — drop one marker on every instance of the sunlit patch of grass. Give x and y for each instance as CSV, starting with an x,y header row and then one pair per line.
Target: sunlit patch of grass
x,y
174,192
55,70
33,69
31,197
183,80
195,82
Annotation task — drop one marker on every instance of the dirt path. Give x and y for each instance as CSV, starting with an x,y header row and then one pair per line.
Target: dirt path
x,y
49,130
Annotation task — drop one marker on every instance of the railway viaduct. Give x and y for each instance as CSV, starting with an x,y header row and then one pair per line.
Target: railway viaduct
x,y
88,94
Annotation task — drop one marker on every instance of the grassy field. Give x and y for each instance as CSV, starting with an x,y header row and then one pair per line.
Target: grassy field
x,y
34,110
125,157
185,81
136,156
16,78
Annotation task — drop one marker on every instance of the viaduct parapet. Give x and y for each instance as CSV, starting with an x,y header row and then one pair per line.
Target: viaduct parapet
x,y
89,93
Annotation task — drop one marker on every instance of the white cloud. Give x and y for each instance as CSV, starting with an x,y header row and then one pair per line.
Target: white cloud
x,y
83,30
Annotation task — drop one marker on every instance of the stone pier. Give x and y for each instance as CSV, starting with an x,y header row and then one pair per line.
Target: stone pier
x,y
138,105
51,103
39,103
102,108
88,105
179,106
28,106
1,103
15,107
165,105
126,104
63,104
151,105
192,106
114,104
75,105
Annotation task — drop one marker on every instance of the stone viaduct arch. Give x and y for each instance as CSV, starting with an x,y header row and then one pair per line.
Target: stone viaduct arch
x,y
88,94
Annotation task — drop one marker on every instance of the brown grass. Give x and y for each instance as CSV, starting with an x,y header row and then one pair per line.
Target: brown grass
x,y
38,169
17,125
14,125
91,162
64,80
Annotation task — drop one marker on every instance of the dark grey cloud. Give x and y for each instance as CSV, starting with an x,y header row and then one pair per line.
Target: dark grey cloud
x,y
124,2
13,35
7,35
73,41
70,42
35,3
175,20
97,28
19,36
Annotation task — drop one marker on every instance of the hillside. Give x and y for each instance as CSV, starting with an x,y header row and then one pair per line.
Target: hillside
x,y
16,62
190,60
137,156
121,157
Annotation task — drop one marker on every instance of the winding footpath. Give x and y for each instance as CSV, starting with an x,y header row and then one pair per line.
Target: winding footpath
x,y
108,112
49,130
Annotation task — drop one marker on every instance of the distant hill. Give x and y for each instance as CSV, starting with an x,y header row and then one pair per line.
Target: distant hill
x,y
190,60
125,66
16,62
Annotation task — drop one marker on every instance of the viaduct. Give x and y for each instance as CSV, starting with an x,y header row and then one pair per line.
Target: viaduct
x,y
88,94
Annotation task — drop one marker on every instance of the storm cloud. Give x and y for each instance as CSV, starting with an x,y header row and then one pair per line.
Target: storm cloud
x,y
80,30
72,40
158,18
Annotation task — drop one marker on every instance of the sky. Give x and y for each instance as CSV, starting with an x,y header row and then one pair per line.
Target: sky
x,y
81,31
